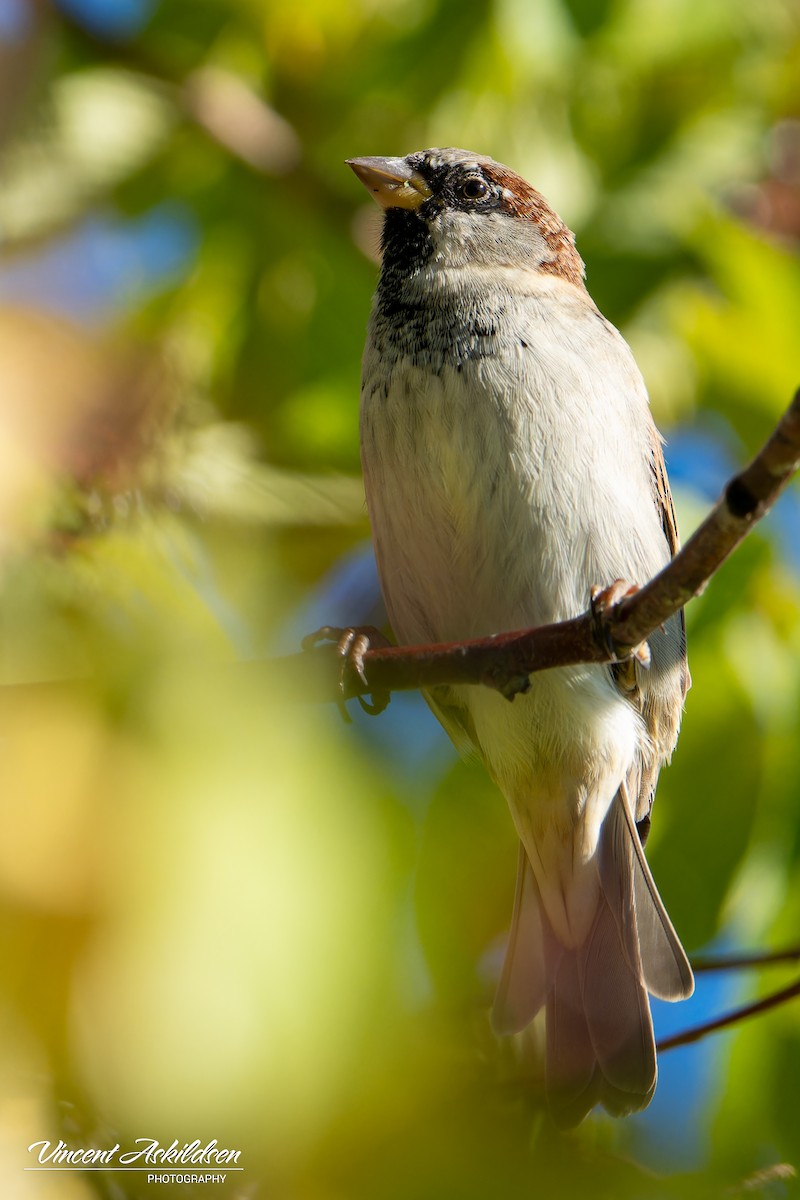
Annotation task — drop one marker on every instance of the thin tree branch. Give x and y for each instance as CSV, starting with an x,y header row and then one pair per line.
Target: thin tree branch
x,y
506,660
740,962
732,1018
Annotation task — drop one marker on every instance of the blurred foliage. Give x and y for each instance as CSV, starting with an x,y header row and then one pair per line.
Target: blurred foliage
x,y
222,912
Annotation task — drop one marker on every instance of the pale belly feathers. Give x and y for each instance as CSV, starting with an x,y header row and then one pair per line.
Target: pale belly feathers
x,y
494,509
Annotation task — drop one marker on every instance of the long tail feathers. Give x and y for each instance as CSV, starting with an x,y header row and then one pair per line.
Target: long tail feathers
x,y
527,970
666,969
600,1044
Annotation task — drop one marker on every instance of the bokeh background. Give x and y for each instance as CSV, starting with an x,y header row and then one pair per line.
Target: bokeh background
x,y
223,912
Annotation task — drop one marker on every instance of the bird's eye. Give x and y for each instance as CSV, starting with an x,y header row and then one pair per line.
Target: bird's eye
x,y
473,188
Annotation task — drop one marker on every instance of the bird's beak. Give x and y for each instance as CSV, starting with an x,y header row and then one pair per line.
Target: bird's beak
x,y
391,181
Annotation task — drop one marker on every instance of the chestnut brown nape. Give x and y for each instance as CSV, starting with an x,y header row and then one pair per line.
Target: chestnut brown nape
x,y
523,201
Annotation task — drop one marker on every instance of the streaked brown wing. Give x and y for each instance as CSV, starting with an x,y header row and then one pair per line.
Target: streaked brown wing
x,y
659,702
663,498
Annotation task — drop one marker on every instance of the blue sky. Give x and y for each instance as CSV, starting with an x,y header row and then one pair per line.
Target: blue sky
x,y
111,18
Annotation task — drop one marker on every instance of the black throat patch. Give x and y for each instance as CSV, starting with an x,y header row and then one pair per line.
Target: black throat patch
x,y
405,241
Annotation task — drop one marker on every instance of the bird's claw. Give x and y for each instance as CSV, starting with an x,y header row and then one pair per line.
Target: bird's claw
x,y
602,601
352,643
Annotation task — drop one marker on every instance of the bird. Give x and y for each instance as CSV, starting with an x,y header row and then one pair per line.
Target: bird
x,y
511,465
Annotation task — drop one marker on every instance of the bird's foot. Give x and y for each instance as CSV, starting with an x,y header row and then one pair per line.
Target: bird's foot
x,y
602,603
352,643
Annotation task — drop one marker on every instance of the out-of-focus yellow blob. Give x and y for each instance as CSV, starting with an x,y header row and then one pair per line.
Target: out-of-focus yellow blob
x,y
55,766
26,1116
226,994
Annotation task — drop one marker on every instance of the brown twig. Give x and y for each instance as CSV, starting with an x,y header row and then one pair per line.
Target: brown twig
x,y
506,660
732,1018
739,962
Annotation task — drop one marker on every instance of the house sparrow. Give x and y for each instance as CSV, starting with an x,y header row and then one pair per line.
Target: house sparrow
x,y
511,463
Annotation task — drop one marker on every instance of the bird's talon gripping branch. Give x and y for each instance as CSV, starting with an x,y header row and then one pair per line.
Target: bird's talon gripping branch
x,y
642,655
352,644
506,681
602,602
